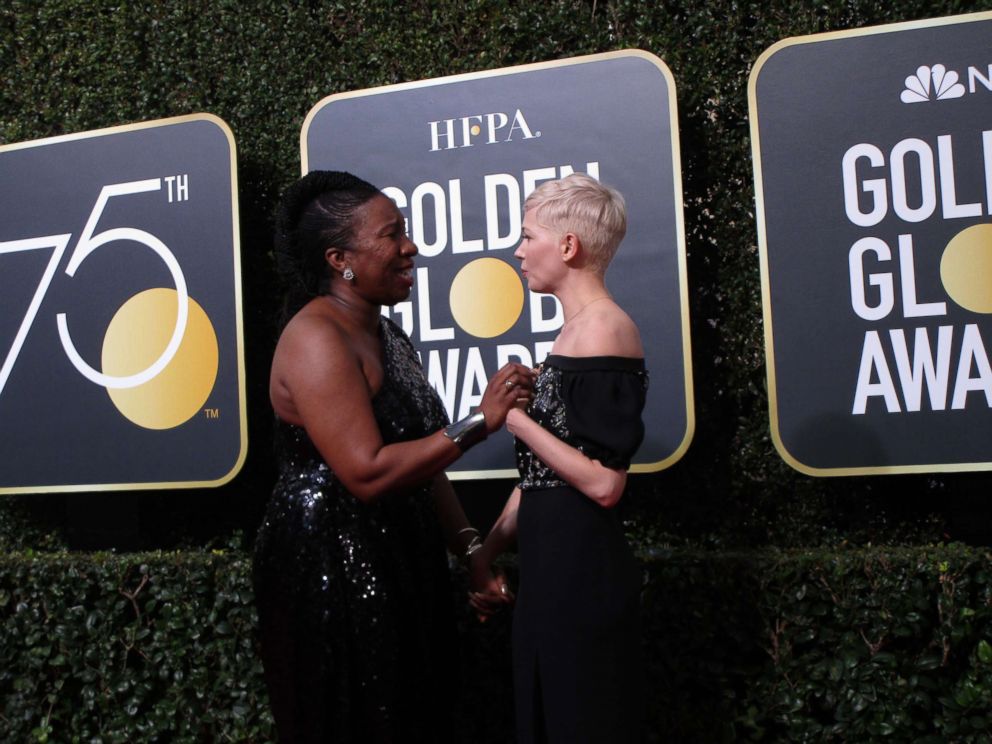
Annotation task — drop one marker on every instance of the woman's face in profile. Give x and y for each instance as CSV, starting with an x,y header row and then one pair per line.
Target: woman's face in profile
x,y
382,258
540,262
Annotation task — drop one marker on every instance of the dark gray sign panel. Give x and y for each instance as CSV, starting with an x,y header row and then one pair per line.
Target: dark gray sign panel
x,y
873,170
121,363
460,154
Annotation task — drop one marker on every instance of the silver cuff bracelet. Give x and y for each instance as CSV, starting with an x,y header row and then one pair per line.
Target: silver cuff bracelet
x,y
467,432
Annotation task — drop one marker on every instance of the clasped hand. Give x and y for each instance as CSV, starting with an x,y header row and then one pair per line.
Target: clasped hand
x,y
512,386
489,591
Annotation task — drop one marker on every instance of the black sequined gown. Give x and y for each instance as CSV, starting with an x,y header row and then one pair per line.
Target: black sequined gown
x,y
355,612
576,633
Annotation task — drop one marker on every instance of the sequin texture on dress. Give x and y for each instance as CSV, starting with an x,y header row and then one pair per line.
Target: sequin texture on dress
x,y
547,408
576,627
355,611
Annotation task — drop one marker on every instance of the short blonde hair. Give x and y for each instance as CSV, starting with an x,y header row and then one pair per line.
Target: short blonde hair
x,y
582,205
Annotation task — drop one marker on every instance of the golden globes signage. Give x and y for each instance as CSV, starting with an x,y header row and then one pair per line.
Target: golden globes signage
x,y
873,169
460,154
121,360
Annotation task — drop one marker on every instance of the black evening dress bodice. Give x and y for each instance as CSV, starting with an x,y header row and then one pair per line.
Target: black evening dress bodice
x,y
576,634
355,612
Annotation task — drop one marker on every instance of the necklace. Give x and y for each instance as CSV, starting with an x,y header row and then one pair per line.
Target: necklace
x,y
368,320
604,297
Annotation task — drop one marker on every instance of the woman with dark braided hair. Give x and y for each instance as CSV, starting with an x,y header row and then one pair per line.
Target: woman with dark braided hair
x,y
351,575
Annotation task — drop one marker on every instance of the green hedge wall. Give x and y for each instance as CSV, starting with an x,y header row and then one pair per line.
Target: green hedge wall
x,y
142,648
817,643
859,646
763,646
70,65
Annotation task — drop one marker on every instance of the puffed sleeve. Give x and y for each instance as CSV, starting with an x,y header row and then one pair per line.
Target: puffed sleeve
x,y
603,412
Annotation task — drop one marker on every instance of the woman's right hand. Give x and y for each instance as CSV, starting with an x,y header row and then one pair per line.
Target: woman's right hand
x,y
512,386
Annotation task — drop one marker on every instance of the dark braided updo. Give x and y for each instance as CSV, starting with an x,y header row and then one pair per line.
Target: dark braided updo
x,y
315,213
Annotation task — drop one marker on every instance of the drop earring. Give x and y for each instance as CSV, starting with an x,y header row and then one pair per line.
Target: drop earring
x,y
348,274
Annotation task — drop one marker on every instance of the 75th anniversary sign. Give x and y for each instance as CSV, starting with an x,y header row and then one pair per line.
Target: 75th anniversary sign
x,y
120,331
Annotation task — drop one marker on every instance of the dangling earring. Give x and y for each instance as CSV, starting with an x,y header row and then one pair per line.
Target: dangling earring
x,y
348,274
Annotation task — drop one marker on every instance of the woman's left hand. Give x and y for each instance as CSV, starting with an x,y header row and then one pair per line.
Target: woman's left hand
x,y
488,589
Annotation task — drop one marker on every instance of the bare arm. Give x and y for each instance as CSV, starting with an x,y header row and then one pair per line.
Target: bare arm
x,y
459,535
601,484
318,383
606,330
332,398
487,599
504,531
457,532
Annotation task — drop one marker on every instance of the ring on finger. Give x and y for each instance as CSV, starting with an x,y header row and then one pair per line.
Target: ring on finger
x,y
510,383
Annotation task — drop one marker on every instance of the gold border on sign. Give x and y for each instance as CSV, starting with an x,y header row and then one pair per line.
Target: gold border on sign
x,y
683,446
763,245
239,323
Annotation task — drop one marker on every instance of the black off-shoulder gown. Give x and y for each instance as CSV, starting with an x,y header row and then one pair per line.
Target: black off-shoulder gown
x,y
355,609
576,634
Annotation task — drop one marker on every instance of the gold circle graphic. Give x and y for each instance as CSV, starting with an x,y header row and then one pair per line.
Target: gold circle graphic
x,y
966,268
486,297
135,338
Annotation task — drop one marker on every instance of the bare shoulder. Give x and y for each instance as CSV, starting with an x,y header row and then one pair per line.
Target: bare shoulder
x,y
606,331
312,351
310,333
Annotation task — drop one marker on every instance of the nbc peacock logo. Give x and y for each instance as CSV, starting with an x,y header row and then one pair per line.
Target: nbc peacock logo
x,y
932,83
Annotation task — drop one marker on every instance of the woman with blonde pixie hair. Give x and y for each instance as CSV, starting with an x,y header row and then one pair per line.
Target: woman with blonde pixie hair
x,y
595,212
576,635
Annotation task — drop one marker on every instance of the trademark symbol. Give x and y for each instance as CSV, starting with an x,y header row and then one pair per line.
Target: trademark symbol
x,y
211,413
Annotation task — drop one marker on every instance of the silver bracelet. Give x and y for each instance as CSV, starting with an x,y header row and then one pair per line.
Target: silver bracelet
x,y
473,545
469,431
